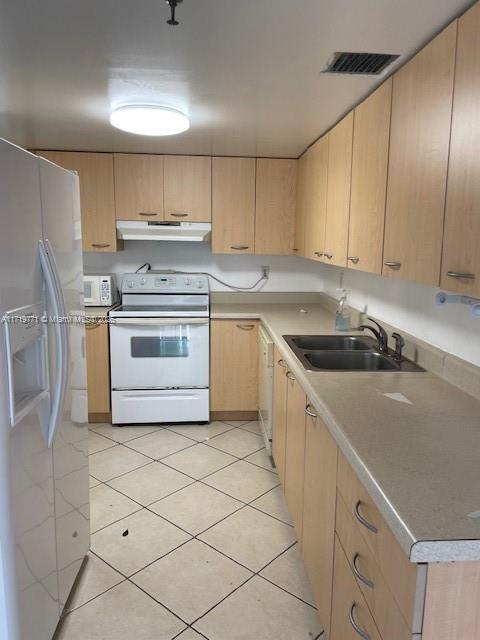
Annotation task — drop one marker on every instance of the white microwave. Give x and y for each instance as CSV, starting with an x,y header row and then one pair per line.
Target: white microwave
x,y
99,291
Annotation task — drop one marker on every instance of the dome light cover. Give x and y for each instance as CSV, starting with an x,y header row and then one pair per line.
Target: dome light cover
x,y
149,120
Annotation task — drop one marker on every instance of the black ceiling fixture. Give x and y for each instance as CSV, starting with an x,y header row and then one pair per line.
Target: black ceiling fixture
x,y
173,6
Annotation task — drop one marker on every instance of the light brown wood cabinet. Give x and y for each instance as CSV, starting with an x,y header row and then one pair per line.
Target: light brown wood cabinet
x,y
295,451
340,140
138,186
417,175
233,205
234,366
188,188
98,369
461,246
279,417
316,199
97,197
371,134
299,237
319,498
276,183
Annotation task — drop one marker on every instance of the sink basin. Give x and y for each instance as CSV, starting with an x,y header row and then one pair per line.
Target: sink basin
x,y
332,343
350,361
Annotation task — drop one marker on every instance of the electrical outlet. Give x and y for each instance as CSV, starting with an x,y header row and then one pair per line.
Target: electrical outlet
x,y
265,271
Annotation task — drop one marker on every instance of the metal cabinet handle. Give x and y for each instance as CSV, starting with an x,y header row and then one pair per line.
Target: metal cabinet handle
x,y
294,249
290,375
459,274
392,264
363,634
319,254
239,247
148,214
360,575
329,256
353,259
179,215
282,363
362,520
310,413
245,327
100,245
92,324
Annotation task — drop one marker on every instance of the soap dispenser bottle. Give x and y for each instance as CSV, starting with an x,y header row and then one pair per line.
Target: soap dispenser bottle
x,y
342,315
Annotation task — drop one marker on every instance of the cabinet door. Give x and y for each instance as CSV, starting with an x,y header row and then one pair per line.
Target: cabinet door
x,y
302,168
417,174
371,134
275,206
279,428
97,200
295,452
233,205
98,370
234,368
138,186
461,247
340,141
316,199
319,501
188,188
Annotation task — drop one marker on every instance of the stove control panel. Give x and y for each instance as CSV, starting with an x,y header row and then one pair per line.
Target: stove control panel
x,y
171,283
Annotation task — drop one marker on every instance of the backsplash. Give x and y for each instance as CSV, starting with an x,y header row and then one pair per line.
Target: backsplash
x,y
287,273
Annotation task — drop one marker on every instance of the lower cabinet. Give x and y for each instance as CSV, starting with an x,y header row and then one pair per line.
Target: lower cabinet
x,y
279,418
98,370
319,493
295,451
234,367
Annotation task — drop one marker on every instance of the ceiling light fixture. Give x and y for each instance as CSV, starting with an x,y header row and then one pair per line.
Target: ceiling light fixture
x,y
173,5
149,120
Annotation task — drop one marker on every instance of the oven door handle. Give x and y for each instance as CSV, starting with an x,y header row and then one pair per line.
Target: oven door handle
x,y
160,321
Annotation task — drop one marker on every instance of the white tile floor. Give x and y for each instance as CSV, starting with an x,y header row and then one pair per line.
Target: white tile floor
x,y
191,539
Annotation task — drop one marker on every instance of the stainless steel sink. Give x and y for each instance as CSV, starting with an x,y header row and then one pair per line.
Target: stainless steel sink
x,y
331,343
351,361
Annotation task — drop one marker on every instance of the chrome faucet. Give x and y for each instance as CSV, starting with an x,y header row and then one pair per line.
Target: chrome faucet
x,y
380,334
399,344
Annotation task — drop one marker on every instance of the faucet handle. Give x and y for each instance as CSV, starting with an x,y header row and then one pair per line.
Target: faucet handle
x,y
383,341
399,344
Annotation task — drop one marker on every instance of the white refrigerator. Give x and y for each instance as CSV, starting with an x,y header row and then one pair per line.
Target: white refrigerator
x,y
44,503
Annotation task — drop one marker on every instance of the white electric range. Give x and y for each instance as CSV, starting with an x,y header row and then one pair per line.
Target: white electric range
x,y
160,349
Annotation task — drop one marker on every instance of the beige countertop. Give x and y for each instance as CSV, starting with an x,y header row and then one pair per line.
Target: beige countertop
x,y
419,458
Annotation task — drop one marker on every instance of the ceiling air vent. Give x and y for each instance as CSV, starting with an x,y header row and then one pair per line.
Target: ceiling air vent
x,y
359,63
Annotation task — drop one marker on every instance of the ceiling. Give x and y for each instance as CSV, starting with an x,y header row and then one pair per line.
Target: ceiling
x,y
246,71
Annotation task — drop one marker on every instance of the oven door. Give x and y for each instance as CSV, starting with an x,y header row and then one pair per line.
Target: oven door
x,y
159,353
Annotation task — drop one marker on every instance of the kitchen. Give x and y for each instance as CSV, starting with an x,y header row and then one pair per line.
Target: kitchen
x,y
240,384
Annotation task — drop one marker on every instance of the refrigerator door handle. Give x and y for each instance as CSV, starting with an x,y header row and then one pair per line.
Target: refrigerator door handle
x,y
57,397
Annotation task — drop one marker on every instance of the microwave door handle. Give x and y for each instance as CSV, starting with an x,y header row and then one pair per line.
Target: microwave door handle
x,y
58,394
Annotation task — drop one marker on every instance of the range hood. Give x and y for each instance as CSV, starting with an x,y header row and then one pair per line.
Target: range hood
x,y
172,231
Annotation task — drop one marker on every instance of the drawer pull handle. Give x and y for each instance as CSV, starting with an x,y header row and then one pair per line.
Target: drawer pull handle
x,y
353,259
309,412
290,376
91,324
239,247
458,274
147,214
319,254
179,215
282,363
369,583
362,520
393,264
329,256
245,327
100,245
363,634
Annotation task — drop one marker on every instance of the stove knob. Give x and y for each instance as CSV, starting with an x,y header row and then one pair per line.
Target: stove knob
x,y
130,284
143,281
199,284
188,282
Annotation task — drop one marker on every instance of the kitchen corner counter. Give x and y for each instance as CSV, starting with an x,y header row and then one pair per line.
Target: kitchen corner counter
x,y
417,453
97,312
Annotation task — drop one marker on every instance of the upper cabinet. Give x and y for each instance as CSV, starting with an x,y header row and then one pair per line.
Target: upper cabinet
x,y
371,133
275,206
97,198
188,188
233,205
461,247
417,175
316,199
138,186
340,141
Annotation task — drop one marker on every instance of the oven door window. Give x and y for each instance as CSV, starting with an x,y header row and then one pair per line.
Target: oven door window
x,y
159,347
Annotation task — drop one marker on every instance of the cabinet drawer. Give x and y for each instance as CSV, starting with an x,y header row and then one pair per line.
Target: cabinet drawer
x,y
371,582
399,573
351,619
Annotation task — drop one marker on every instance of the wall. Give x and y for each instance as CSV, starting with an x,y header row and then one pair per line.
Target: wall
x,y
410,307
288,273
